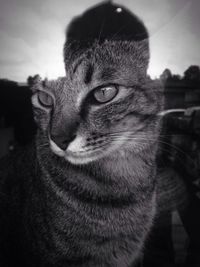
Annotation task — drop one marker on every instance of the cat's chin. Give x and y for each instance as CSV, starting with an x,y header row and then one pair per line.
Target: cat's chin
x,y
77,159
85,158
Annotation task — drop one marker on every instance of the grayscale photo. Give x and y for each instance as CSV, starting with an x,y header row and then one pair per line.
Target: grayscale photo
x,y
100,133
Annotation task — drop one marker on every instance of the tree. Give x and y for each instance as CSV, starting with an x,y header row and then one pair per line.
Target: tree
x,y
192,74
166,75
176,77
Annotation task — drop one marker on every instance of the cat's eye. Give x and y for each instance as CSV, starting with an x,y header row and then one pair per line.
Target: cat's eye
x,y
45,99
105,94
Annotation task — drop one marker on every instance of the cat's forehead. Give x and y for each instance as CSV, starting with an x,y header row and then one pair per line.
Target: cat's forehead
x,y
111,59
108,52
111,62
57,85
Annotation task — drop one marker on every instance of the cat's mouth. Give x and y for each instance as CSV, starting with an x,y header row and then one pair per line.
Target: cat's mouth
x,y
80,151
77,153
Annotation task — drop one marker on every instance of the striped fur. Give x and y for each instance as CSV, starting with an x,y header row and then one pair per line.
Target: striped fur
x,y
93,203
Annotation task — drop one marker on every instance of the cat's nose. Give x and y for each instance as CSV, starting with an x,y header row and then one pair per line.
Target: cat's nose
x,y
62,141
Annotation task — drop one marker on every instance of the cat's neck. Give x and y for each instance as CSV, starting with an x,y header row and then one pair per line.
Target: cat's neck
x,y
116,176
68,199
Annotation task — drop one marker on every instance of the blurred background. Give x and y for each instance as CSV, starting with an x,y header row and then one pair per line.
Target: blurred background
x,y
32,34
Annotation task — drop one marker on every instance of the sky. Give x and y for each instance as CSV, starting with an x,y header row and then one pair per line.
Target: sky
x,y
32,34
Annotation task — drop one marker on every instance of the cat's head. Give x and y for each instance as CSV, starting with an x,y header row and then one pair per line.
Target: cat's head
x,y
104,106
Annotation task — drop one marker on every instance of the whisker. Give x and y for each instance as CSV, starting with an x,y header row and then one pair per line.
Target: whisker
x,y
116,33
101,30
98,147
145,141
44,145
146,134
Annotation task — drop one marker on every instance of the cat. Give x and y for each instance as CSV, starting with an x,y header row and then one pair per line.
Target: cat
x,y
93,204
84,192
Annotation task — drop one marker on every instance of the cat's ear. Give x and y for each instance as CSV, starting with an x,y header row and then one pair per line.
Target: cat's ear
x,y
37,83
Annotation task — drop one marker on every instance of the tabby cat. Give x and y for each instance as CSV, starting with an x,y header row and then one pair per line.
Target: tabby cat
x,y
83,193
